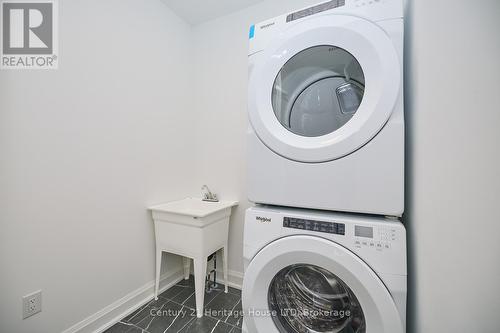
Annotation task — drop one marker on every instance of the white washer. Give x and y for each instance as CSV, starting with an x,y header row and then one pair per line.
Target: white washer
x,y
326,108
329,272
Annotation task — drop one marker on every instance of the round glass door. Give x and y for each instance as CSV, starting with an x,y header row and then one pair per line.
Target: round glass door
x,y
307,284
318,91
323,89
307,298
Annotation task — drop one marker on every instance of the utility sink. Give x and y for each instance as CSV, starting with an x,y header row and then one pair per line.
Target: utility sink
x,y
193,207
193,229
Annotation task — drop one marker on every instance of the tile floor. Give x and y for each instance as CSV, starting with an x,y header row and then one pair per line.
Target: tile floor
x,y
174,311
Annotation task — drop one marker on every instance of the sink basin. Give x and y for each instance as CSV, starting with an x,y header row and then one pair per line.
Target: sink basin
x,y
193,207
194,229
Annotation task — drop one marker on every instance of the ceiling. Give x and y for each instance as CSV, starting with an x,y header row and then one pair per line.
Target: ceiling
x,y
198,11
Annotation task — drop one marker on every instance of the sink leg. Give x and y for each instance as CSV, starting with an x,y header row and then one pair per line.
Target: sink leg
x,y
224,266
200,271
187,265
158,270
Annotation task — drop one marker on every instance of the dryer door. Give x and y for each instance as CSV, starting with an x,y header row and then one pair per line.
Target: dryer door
x,y
310,284
324,88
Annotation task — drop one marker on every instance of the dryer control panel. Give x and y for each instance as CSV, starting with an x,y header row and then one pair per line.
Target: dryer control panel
x,y
315,10
263,34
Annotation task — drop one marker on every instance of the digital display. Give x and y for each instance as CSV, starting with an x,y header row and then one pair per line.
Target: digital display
x,y
366,232
312,225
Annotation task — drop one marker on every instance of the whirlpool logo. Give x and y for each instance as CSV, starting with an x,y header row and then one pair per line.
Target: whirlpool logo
x,y
263,219
29,34
268,25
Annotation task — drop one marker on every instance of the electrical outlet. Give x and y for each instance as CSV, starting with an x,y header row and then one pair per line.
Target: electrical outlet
x,y
32,304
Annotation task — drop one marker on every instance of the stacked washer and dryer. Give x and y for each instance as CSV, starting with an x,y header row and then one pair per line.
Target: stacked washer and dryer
x,y
324,250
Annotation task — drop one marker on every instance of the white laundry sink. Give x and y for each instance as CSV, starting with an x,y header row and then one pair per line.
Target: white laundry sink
x,y
192,211
194,229
194,207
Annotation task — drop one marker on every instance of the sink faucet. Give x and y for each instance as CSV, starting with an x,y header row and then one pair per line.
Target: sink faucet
x,y
208,195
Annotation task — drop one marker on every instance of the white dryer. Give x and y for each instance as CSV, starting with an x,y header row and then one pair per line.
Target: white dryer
x,y
326,108
314,271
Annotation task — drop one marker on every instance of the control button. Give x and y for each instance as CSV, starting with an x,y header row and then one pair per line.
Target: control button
x,y
365,243
387,246
379,245
372,244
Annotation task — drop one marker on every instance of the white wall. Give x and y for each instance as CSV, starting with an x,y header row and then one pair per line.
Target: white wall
x,y
453,113
83,150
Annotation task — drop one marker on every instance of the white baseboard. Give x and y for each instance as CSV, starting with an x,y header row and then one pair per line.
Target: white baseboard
x,y
234,278
110,315
107,317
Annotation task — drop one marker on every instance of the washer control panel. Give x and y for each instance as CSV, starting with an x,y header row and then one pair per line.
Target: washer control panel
x,y
374,238
314,225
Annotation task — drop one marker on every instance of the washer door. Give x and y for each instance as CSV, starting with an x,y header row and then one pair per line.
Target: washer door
x,y
323,88
302,284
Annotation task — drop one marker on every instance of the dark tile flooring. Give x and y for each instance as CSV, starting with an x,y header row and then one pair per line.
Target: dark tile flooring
x,y
174,311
